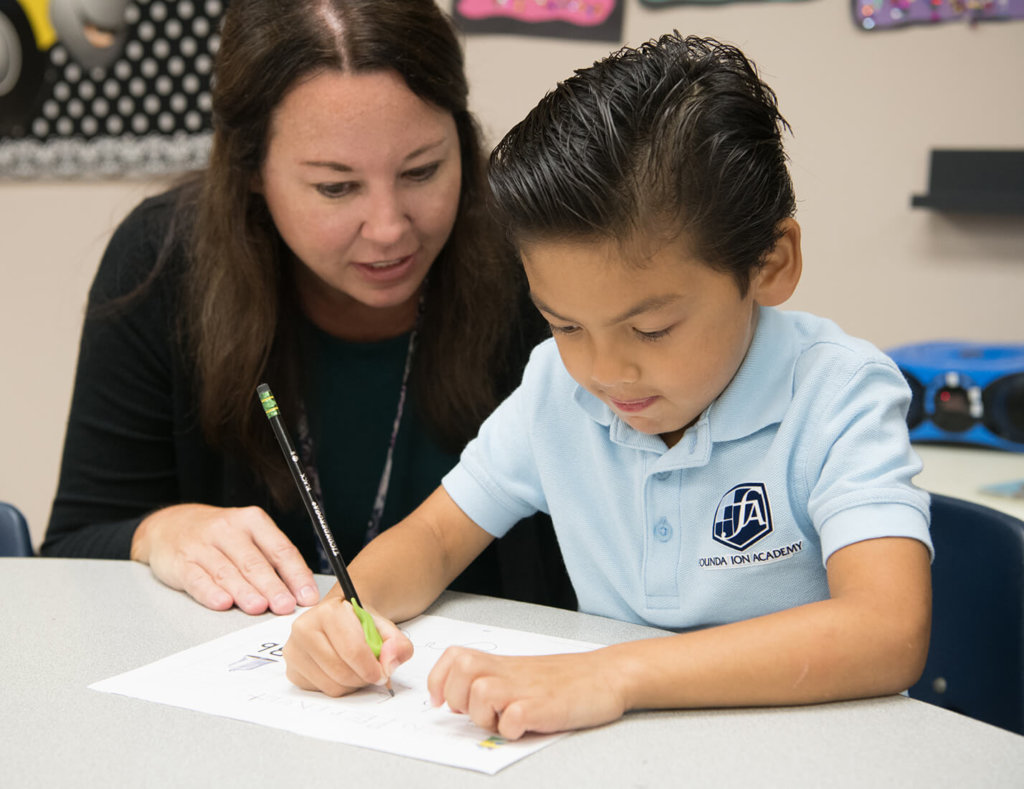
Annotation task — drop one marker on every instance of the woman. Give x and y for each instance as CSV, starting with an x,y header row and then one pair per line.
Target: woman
x,y
337,247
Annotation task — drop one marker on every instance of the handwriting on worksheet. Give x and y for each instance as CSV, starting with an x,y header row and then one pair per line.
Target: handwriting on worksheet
x,y
242,676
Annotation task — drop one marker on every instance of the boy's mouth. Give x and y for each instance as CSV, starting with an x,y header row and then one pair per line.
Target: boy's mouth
x,y
632,406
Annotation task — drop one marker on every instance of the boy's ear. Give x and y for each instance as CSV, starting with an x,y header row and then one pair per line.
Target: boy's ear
x,y
776,280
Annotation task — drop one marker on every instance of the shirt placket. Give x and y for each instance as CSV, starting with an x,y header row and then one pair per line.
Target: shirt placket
x,y
663,539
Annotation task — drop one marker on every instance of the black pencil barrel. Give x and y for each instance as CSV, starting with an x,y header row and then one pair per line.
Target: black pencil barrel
x,y
313,508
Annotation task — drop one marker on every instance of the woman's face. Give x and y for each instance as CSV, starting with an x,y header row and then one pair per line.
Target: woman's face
x,y
362,179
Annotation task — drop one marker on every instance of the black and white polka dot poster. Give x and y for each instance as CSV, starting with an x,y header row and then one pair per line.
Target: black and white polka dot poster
x,y
105,88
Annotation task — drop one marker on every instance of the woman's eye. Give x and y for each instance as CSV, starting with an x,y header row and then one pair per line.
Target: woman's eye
x,y
563,329
651,336
338,189
424,173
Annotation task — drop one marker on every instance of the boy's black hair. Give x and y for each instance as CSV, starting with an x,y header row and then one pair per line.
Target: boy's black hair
x,y
678,136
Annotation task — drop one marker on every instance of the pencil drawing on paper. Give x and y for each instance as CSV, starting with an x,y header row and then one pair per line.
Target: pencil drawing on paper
x,y
242,676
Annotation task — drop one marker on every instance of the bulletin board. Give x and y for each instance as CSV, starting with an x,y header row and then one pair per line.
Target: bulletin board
x,y
596,20
657,3
872,15
127,94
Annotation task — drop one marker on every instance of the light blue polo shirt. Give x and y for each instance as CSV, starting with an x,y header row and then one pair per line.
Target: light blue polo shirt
x,y
806,451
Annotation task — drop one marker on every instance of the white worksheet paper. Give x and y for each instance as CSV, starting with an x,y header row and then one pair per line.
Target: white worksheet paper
x,y
242,675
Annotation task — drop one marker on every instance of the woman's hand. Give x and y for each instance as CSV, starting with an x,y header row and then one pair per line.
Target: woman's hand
x,y
327,650
225,556
514,695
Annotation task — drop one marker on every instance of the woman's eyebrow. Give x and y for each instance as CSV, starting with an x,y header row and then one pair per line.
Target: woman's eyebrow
x,y
341,167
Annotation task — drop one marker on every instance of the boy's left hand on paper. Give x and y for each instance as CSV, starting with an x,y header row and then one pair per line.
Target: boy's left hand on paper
x,y
327,650
515,695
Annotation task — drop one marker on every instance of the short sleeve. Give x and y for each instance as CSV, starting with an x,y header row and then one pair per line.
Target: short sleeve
x,y
496,482
862,484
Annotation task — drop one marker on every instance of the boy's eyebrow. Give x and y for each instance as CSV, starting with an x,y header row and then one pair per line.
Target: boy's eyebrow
x,y
344,168
646,305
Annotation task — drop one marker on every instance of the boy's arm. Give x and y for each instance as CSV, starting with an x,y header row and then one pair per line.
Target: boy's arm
x,y
870,638
404,570
397,576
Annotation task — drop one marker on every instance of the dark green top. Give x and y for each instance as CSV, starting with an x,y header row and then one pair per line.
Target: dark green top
x,y
353,399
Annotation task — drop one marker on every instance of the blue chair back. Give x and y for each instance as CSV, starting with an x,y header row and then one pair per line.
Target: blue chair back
x,y
976,658
14,536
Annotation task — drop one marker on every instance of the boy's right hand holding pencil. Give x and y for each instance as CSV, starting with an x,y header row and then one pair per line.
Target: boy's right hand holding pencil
x,y
328,649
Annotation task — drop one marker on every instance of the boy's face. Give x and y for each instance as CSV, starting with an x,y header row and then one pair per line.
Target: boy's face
x,y
656,343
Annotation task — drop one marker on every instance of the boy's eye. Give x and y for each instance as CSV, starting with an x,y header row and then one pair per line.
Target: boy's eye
x,y
337,189
651,336
424,173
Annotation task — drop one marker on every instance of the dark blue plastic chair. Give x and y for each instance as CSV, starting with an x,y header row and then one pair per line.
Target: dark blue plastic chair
x,y
14,536
976,659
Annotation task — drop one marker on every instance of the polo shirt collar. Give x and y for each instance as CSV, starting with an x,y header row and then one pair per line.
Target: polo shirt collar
x,y
758,396
618,431
761,391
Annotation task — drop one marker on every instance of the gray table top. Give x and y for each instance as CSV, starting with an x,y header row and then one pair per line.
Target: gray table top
x,y
68,623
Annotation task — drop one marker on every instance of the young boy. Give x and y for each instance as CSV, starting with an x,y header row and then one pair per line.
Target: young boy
x,y
712,465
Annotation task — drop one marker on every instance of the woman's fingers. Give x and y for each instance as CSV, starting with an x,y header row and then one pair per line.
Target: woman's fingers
x,y
224,556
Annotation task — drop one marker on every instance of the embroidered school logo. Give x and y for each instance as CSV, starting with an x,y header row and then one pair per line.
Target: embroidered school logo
x,y
743,516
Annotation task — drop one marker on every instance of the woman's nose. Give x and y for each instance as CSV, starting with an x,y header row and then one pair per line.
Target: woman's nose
x,y
386,219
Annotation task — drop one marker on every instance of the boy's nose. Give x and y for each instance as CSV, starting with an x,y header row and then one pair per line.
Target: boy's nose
x,y
610,369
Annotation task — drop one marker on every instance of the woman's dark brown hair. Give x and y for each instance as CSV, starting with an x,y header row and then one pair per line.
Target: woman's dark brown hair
x,y
241,308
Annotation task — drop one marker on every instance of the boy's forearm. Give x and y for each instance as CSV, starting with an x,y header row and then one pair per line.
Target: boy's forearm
x,y
869,639
398,575
404,570
803,655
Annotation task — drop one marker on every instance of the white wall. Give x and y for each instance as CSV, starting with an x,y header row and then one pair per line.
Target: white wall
x,y
866,108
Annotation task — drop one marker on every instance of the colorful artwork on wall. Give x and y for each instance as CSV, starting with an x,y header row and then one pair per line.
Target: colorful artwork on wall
x,y
887,14
598,20
657,3
94,88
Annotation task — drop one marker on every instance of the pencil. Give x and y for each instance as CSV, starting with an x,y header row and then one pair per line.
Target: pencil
x,y
316,516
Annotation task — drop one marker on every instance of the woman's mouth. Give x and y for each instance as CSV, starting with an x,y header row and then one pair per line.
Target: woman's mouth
x,y
386,270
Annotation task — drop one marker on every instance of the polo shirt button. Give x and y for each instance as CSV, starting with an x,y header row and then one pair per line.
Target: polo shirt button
x,y
662,531
661,476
